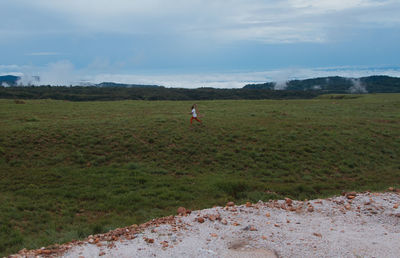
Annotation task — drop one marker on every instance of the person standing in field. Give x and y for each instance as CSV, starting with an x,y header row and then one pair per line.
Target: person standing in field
x,y
194,114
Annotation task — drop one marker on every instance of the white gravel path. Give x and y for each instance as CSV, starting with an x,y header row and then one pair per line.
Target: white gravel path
x,y
366,226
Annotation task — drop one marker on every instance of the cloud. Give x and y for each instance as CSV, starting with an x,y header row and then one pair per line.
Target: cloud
x,y
9,67
59,73
239,79
177,36
27,80
65,73
267,21
43,54
357,87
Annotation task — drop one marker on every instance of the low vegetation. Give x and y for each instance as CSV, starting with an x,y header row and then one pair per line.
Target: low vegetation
x,y
336,84
91,93
70,169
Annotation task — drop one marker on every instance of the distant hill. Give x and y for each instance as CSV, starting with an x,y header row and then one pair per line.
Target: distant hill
x,y
336,84
8,80
11,80
113,84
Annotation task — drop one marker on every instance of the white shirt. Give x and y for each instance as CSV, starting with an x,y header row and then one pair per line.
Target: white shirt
x,y
194,114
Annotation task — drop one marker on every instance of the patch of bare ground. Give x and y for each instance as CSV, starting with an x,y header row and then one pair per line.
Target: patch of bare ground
x,y
351,225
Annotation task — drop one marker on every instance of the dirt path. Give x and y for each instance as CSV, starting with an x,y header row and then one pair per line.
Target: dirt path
x,y
355,225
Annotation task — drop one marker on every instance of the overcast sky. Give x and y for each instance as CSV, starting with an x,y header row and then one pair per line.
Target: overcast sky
x,y
190,43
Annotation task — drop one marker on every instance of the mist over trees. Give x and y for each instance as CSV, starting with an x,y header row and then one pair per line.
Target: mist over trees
x,y
336,84
295,89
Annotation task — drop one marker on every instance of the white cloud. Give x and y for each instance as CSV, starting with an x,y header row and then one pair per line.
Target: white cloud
x,y
9,67
43,54
58,73
64,73
357,87
239,79
223,20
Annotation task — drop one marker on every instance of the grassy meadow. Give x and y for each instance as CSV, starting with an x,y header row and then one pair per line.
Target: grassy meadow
x,y
70,169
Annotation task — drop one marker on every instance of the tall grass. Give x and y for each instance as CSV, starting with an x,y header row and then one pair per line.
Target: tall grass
x,y
73,169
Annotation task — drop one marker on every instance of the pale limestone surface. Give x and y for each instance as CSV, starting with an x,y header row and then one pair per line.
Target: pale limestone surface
x,y
366,226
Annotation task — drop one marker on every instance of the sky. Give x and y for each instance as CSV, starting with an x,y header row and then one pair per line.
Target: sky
x,y
196,43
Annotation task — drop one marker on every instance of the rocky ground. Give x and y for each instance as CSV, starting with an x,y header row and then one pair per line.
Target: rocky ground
x,y
351,225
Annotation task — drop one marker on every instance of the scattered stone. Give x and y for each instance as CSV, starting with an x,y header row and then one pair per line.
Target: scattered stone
x,y
200,219
317,234
351,195
211,217
276,225
230,204
246,228
396,206
252,228
182,211
224,222
268,215
102,253
45,252
288,201
310,208
149,240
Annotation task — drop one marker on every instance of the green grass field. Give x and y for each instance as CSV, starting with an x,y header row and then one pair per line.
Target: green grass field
x,y
70,169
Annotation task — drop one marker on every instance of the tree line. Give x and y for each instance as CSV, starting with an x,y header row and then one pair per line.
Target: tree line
x,y
91,93
294,89
336,84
